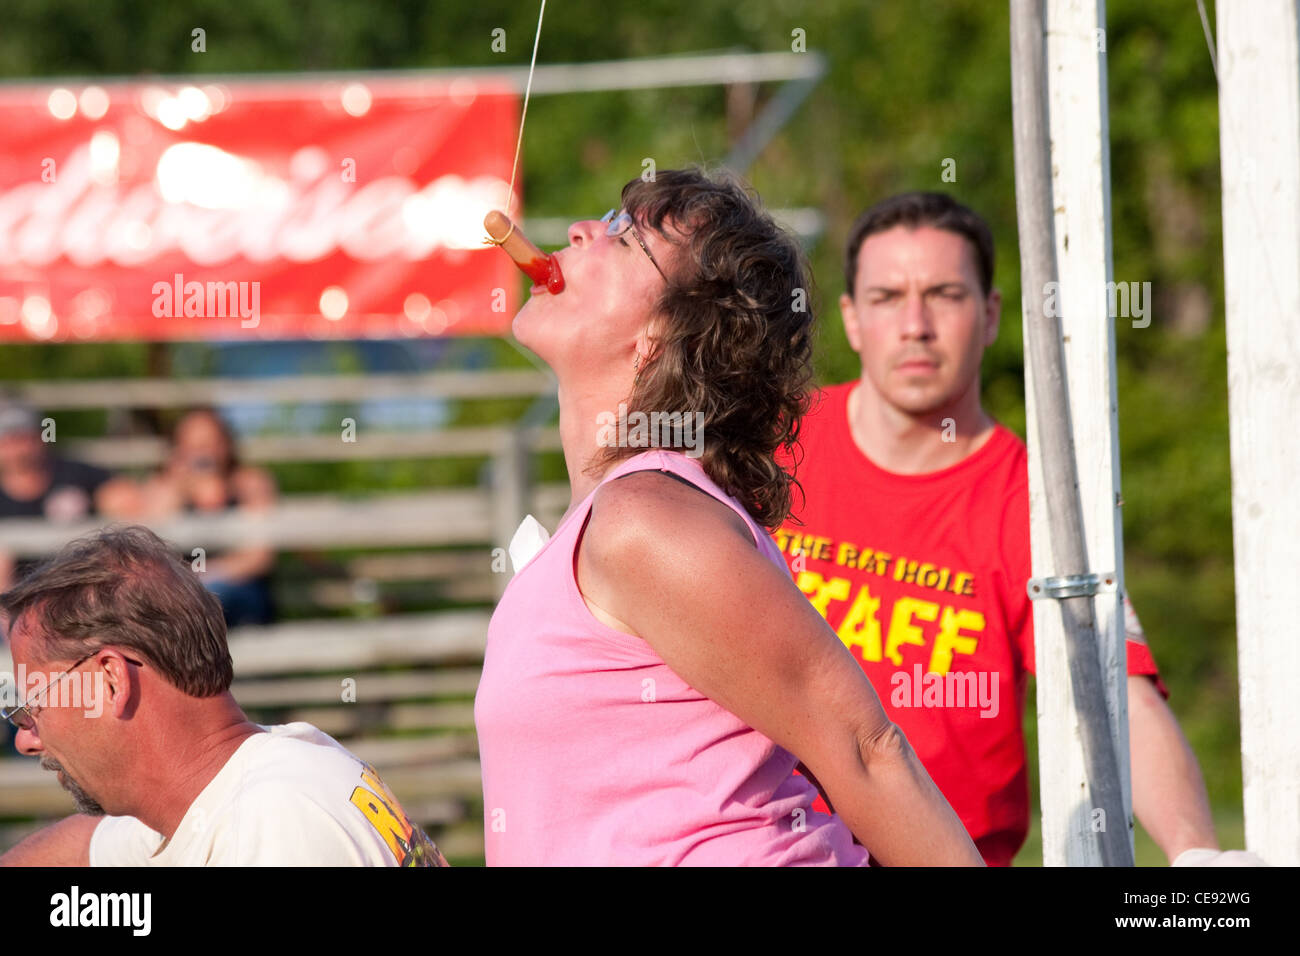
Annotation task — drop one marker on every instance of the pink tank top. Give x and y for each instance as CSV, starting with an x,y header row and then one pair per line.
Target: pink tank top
x,y
595,753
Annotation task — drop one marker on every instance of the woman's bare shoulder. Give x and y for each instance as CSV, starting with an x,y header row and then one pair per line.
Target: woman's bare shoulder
x,y
649,536
655,504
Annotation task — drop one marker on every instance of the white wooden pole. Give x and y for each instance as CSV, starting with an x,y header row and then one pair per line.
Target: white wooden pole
x,y
1076,71
1259,132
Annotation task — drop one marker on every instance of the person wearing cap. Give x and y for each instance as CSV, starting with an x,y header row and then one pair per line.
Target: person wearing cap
x,y
35,482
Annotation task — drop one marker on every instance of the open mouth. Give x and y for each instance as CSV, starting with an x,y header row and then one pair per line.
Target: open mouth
x,y
537,265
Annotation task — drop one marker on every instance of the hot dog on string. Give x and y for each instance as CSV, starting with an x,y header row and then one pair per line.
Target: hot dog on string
x,y
543,269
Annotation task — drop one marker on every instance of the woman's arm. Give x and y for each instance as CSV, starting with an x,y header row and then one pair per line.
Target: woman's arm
x,y
682,571
7,565
255,491
66,843
120,498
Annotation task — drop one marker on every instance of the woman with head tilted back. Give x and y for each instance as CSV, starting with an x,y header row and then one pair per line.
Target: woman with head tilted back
x,y
652,675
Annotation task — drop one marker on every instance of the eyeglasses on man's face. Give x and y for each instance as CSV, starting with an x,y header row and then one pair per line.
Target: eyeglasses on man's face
x,y
620,222
24,715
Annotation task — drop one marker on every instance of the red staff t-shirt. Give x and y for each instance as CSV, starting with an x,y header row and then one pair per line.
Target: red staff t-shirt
x,y
923,578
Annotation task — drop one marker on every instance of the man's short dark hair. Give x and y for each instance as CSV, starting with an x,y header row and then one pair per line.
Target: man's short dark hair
x,y
916,209
126,587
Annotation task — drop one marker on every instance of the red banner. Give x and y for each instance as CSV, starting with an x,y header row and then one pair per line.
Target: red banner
x,y
317,208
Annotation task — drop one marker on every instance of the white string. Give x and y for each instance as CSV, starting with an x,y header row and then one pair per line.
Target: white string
x,y
523,115
1209,40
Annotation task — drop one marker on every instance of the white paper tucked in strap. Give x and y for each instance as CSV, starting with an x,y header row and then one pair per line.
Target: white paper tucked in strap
x,y
530,537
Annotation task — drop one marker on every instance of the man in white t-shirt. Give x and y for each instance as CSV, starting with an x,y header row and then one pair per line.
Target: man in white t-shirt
x,y
124,682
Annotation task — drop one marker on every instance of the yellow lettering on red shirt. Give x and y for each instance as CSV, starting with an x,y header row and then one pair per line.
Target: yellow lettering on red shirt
x,y
950,639
959,629
861,626
902,630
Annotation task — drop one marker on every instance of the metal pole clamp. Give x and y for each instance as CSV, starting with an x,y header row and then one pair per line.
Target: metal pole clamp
x,y
1072,585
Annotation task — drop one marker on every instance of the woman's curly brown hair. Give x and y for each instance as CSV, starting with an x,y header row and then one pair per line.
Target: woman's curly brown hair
x,y
734,338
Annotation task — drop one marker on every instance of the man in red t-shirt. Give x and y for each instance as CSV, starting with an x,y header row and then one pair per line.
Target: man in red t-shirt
x,y
912,535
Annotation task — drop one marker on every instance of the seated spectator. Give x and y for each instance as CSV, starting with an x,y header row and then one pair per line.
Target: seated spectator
x,y
203,474
37,483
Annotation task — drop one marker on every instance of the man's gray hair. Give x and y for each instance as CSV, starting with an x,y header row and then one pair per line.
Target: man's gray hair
x,y
125,587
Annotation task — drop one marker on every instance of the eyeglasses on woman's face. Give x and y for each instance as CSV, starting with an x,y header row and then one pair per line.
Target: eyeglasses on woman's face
x,y
618,223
